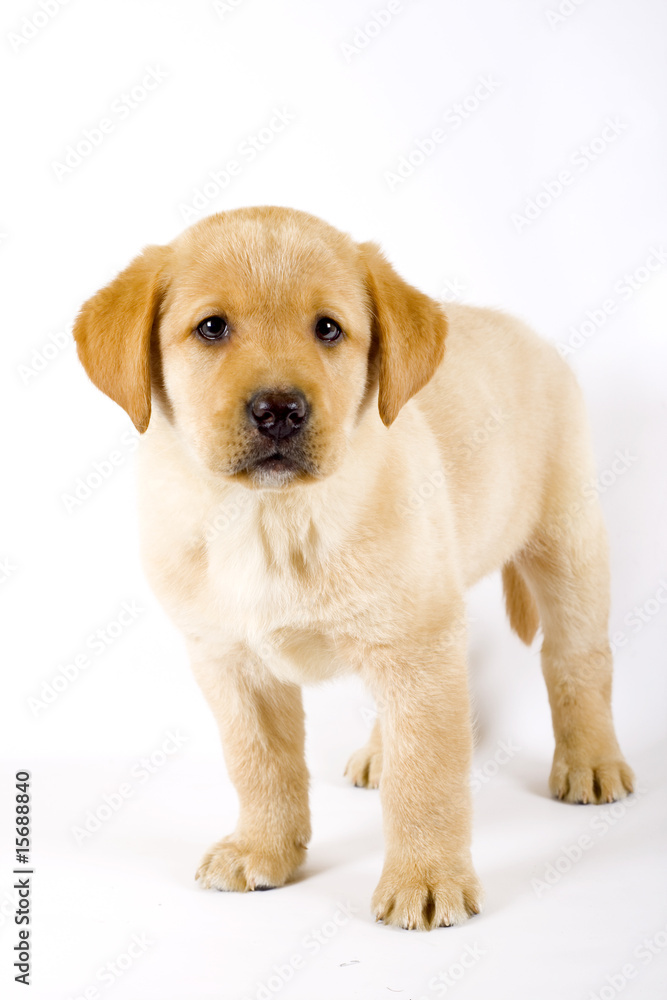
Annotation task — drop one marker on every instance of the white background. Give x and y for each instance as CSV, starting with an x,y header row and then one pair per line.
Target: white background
x,y
453,228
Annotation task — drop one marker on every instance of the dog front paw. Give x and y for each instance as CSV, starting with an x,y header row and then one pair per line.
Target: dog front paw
x,y
423,900
238,866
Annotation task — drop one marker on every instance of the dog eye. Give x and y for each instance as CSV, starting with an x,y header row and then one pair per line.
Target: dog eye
x,y
213,328
328,330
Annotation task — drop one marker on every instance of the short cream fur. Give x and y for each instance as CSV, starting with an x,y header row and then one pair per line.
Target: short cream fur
x,y
348,564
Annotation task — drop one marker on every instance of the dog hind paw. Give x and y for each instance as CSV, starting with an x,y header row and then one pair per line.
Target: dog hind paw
x,y
574,780
364,768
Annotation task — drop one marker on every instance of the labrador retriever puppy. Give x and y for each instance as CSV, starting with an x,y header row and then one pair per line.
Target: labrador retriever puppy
x,y
329,459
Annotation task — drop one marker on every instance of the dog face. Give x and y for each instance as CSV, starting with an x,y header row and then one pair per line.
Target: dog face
x,y
264,339
262,334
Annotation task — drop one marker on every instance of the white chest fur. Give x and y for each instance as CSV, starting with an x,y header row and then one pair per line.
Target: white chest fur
x,y
305,578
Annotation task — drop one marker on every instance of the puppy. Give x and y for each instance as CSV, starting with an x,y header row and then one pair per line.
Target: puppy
x,y
329,459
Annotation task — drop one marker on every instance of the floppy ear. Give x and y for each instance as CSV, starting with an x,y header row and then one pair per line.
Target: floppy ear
x,y
113,333
409,329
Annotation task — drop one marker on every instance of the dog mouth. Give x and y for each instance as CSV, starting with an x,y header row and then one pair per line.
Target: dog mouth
x,y
275,468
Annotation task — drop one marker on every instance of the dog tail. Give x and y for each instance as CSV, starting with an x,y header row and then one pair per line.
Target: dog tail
x,y
520,604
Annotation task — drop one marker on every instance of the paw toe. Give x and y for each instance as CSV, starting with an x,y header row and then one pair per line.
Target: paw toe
x,y
421,902
606,781
232,866
364,768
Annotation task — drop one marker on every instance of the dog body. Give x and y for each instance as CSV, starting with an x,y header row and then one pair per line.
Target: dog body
x,y
319,484
310,578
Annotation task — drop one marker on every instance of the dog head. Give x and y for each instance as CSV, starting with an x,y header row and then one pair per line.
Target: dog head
x,y
262,334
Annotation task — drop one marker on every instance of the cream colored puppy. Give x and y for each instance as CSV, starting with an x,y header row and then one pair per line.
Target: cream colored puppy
x,y
330,459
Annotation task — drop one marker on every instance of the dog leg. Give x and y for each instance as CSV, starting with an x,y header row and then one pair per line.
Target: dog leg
x,y
568,571
428,879
262,729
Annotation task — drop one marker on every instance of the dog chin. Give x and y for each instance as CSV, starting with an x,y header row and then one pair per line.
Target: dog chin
x,y
274,473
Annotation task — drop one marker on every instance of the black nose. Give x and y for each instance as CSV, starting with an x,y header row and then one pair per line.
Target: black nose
x,y
278,414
